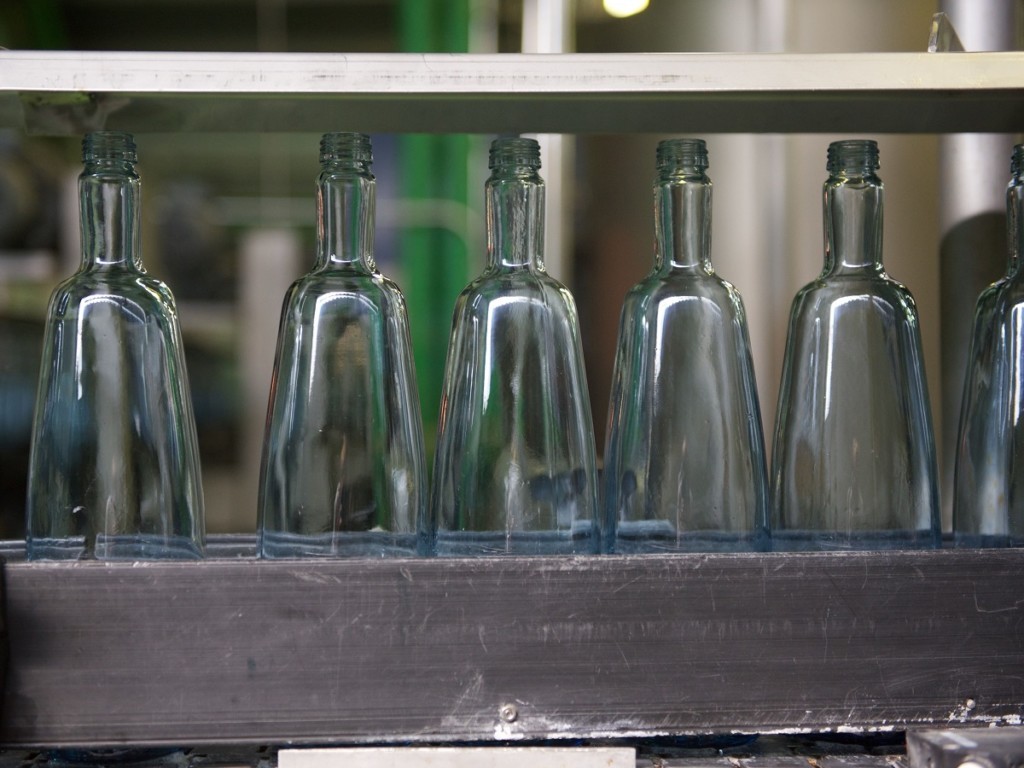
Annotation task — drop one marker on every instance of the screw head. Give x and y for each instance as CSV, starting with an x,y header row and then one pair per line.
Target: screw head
x,y
509,713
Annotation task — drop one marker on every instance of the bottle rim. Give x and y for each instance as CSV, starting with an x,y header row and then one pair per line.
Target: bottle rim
x,y
852,155
98,146
514,150
345,146
1017,161
680,153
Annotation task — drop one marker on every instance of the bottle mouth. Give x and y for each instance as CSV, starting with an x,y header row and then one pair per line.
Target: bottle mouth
x,y
682,154
852,156
108,145
345,147
514,150
1017,161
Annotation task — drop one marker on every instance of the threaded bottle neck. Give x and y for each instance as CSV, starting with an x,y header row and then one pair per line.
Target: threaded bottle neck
x,y
108,148
514,197
681,157
346,150
682,207
513,154
853,209
852,158
345,202
1015,212
109,194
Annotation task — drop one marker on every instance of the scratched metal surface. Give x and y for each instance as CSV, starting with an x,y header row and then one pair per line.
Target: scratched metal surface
x,y
775,755
239,651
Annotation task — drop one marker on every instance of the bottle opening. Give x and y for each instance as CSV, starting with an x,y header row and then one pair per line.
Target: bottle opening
x,y
682,154
1017,162
108,145
345,147
514,150
852,156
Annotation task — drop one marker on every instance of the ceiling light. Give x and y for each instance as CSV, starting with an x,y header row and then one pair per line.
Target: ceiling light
x,y
620,9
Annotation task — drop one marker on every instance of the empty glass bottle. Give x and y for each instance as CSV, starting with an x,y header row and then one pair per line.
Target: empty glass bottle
x,y
515,470
988,501
854,455
343,471
114,468
684,465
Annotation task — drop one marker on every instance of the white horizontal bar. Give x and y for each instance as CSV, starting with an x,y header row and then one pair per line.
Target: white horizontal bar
x,y
455,757
506,74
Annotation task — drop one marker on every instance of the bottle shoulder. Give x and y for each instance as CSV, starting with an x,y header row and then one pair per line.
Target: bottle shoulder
x,y
878,287
113,286
355,284
513,285
658,291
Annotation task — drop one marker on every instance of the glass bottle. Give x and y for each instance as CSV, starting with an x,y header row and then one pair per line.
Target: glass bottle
x,y
515,468
114,466
343,472
854,455
988,501
684,462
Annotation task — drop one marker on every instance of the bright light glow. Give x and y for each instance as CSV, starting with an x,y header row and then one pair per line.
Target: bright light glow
x,y
620,9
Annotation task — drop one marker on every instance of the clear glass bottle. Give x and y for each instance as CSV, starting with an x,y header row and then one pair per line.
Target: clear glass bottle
x,y
684,463
988,500
515,468
854,455
344,470
114,467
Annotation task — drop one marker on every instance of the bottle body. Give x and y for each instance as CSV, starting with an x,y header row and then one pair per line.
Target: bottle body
x,y
854,459
114,466
343,470
515,466
988,501
684,465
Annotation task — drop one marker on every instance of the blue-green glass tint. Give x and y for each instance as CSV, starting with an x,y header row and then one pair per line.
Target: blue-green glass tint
x,y
684,464
515,470
344,472
988,501
854,455
114,468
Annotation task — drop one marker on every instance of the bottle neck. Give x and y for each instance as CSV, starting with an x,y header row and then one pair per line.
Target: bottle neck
x,y
345,211
853,224
683,222
1015,225
109,193
515,218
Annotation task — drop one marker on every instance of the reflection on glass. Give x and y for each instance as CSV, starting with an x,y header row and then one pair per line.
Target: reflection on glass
x,y
988,501
684,461
515,471
343,472
854,456
114,467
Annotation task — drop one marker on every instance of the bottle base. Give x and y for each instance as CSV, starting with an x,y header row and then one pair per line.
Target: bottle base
x,y
489,543
987,540
367,544
120,547
826,541
646,537
132,756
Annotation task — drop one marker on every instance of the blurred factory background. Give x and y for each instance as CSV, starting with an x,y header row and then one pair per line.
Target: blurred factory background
x,y
228,218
